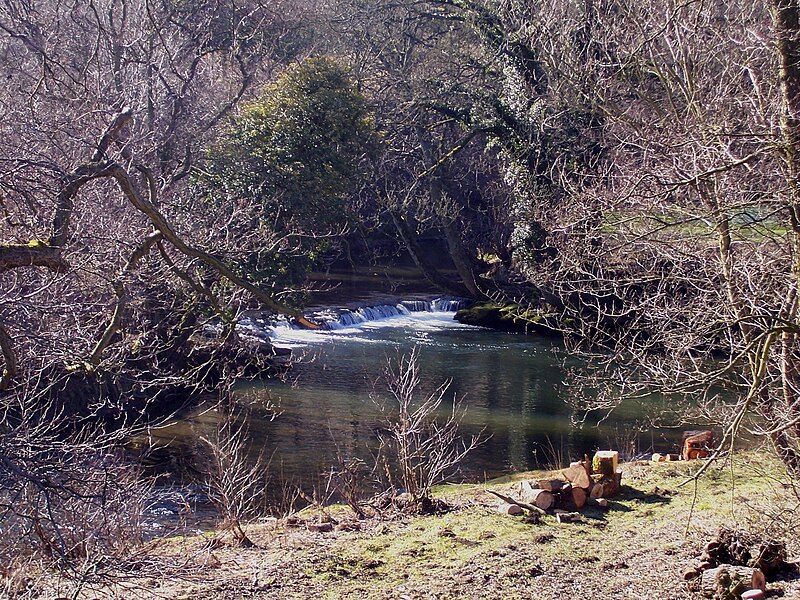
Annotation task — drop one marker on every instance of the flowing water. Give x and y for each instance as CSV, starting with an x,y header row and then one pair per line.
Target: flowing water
x,y
512,386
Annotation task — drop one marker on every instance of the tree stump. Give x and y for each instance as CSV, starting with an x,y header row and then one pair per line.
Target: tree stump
x,y
605,462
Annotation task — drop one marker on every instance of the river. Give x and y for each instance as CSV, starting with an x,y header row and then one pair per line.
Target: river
x,y
512,387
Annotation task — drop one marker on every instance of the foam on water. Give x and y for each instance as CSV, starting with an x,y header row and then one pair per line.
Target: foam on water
x,y
351,325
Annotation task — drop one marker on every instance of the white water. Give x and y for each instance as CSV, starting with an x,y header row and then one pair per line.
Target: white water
x,y
349,325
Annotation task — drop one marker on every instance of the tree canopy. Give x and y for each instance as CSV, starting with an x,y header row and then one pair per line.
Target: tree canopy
x,y
300,149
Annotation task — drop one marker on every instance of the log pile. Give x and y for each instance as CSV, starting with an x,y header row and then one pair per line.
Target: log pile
x,y
735,564
696,444
583,483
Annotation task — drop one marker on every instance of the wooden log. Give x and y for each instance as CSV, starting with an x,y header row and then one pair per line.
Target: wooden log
x,y
605,462
563,516
576,474
578,497
551,485
541,498
537,496
510,509
696,444
525,490
511,500
750,578
597,491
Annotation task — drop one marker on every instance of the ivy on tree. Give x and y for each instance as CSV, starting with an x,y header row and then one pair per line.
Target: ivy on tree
x,y
298,149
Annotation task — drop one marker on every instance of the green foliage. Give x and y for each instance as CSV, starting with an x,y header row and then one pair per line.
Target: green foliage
x,y
299,149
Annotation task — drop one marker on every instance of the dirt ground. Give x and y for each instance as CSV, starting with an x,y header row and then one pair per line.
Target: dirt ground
x,y
639,548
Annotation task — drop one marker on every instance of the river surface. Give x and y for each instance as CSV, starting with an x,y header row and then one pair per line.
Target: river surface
x,y
512,387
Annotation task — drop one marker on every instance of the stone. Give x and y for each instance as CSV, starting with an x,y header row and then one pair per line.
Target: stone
x,y
753,595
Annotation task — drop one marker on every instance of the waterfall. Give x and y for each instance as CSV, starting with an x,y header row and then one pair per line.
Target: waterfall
x,y
333,319
349,318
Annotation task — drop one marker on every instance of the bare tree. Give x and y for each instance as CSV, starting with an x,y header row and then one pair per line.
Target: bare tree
x,y
112,274
238,481
674,259
421,445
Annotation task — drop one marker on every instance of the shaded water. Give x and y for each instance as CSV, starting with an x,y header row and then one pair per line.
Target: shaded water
x,y
512,386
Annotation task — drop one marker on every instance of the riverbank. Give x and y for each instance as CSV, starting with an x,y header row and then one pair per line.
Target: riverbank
x,y
640,547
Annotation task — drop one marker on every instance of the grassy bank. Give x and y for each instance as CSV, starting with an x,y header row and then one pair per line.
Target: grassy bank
x,y
638,548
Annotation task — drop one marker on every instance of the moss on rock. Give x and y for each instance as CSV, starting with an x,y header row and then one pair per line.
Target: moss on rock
x,y
509,317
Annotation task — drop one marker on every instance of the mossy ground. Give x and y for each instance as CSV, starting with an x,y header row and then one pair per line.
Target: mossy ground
x,y
638,548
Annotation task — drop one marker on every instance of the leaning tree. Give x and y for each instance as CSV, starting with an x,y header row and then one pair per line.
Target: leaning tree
x,y
111,271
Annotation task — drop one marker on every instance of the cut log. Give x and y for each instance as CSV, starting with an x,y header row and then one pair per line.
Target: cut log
x,y
541,498
576,474
605,462
696,444
511,500
563,516
551,485
537,496
597,491
578,497
751,578
510,509
526,490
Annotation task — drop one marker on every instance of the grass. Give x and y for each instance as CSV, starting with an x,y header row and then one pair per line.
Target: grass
x,y
654,516
639,548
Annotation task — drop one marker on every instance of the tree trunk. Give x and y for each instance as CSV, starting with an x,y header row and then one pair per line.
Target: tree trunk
x,y
786,23
461,259
431,273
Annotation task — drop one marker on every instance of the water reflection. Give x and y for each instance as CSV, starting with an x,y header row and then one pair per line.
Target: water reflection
x,y
513,387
